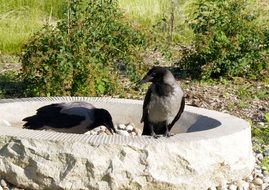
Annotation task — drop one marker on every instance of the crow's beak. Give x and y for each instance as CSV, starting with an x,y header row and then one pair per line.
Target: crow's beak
x,y
147,78
110,127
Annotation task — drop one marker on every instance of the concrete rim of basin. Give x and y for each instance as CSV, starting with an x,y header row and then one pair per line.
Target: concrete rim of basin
x,y
221,141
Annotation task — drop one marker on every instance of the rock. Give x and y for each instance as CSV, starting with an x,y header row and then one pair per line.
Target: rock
x,y
249,178
265,186
232,187
266,179
91,133
4,184
102,128
101,133
258,181
257,172
133,134
138,131
252,186
259,157
265,173
266,153
242,185
122,132
121,126
129,128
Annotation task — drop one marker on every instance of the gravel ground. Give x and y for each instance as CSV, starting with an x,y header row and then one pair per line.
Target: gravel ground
x,y
245,99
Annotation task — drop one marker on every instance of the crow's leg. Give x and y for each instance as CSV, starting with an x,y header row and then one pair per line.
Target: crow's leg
x,y
152,132
167,132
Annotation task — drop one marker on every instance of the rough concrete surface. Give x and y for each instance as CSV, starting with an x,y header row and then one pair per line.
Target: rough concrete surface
x,y
209,149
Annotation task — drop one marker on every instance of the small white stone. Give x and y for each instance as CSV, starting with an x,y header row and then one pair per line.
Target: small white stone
x,y
259,157
262,123
91,132
129,128
121,126
249,178
264,186
232,187
257,181
133,134
259,175
243,185
252,186
138,131
96,129
102,128
3,184
101,133
266,179
122,132
257,171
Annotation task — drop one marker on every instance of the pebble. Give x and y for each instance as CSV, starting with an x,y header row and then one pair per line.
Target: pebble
x,y
133,134
249,178
121,126
232,187
102,133
258,181
129,128
243,185
252,186
122,132
266,179
259,157
265,186
3,184
102,128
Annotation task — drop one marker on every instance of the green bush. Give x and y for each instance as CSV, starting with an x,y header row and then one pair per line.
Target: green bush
x,y
85,54
229,40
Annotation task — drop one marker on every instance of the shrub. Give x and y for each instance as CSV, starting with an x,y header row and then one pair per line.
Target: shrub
x,y
85,54
229,41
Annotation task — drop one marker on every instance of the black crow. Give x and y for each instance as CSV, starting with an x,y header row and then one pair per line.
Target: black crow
x,y
70,117
163,104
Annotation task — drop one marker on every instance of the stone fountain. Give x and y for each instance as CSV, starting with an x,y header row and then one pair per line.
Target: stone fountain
x,y
208,149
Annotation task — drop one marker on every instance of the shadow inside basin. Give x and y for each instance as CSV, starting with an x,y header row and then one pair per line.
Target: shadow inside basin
x,y
191,122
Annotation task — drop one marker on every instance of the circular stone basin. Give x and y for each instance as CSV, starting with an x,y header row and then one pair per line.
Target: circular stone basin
x,y
208,149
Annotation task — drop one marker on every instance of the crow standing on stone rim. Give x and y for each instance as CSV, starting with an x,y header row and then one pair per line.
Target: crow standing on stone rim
x,y
163,104
70,117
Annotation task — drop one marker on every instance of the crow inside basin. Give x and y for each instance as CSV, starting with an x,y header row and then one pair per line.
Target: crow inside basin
x,y
70,117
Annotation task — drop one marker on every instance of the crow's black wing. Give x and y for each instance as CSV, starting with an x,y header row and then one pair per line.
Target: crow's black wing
x,y
180,111
50,115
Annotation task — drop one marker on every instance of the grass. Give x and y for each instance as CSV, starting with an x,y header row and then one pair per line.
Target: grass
x,y
157,14
265,163
19,19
